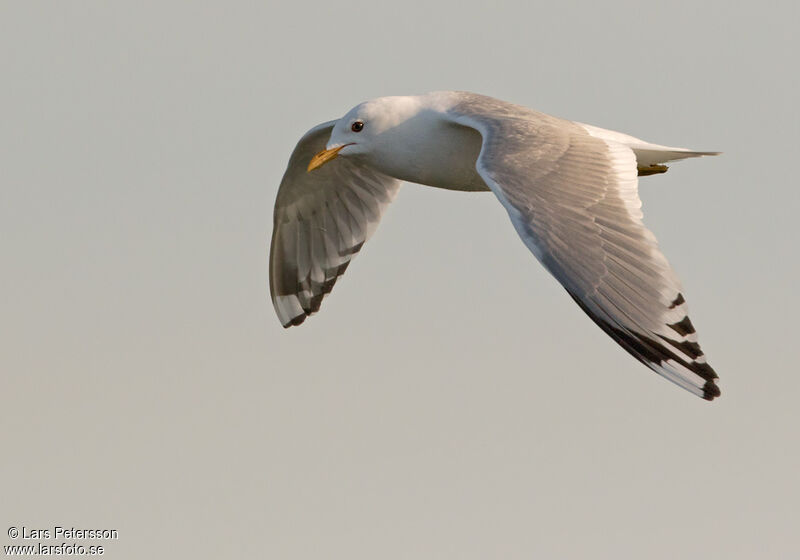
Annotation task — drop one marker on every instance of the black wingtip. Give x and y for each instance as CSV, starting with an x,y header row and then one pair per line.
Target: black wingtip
x,y
295,321
711,391
651,352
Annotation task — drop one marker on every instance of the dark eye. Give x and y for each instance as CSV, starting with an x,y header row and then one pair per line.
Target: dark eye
x,y
357,126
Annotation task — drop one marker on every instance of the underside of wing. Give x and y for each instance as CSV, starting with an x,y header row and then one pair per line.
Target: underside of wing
x,y
322,218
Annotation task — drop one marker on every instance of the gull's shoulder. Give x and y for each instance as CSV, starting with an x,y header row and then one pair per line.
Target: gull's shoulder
x,y
474,108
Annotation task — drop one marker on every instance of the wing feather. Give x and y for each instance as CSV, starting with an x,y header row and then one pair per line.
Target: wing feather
x,y
573,199
321,221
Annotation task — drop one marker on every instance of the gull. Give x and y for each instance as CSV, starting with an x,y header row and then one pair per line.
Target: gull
x,y
570,189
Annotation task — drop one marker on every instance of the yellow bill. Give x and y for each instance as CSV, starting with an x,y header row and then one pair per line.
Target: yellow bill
x,y
324,157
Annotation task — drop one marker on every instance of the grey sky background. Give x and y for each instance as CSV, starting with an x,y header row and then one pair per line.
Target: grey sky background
x,y
450,400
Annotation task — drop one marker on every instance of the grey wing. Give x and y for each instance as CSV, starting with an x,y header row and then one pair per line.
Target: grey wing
x,y
574,201
321,220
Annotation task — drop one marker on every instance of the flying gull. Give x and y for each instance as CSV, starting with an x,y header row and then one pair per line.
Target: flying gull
x,y
570,189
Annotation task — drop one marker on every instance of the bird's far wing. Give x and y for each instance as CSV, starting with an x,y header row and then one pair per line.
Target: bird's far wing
x,y
321,220
574,201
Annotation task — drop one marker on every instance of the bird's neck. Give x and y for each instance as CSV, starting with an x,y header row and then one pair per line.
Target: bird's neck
x,y
431,149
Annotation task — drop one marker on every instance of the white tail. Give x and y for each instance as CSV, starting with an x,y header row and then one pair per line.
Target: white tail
x,y
647,154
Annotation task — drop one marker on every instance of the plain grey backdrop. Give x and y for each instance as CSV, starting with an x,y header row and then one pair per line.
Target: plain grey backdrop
x,y
450,400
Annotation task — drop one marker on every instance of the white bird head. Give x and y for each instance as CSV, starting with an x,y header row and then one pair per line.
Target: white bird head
x,y
368,128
